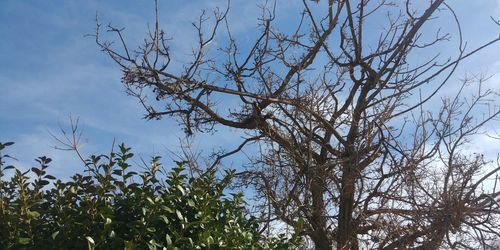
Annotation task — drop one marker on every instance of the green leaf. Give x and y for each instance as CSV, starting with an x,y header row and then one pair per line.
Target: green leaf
x,y
168,239
90,243
165,208
33,214
179,214
152,244
190,203
210,240
24,241
43,182
108,221
165,219
50,177
180,188
150,200
37,171
89,239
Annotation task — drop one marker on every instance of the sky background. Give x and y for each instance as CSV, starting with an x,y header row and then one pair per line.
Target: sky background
x,y
50,70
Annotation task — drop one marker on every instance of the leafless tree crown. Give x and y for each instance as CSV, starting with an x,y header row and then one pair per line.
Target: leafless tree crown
x,y
340,109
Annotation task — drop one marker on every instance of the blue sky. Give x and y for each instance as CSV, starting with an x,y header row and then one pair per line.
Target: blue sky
x,y
49,70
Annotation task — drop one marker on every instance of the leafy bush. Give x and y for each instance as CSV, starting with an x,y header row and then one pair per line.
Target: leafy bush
x,y
107,208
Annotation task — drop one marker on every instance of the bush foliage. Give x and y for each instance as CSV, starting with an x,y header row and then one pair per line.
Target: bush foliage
x,y
112,207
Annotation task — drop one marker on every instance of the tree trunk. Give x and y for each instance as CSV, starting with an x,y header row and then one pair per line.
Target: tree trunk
x,y
345,235
320,240
318,220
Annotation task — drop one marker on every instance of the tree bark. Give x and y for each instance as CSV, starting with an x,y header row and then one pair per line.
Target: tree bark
x,y
320,233
344,232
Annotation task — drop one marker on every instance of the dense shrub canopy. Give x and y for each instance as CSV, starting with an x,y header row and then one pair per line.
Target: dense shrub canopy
x,y
112,207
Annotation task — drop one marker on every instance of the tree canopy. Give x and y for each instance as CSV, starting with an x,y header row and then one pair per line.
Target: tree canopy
x,y
337,108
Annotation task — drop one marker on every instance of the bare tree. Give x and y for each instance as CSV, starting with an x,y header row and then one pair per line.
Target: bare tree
x,y
338,109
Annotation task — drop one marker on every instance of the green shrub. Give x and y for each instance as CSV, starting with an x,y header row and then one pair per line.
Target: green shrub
x,y
112,207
